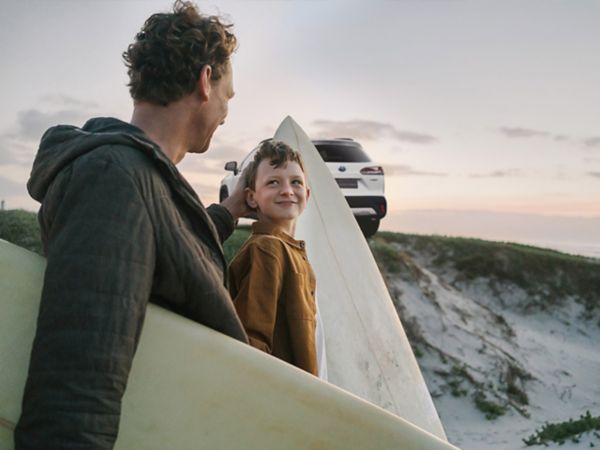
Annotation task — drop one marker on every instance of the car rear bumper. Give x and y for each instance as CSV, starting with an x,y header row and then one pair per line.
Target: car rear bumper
x,y
367,206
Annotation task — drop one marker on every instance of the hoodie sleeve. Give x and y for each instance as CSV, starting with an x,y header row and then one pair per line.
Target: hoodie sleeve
x,y
222,219
101,257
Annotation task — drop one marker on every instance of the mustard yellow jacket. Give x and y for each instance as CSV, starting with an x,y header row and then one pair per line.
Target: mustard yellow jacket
x,y
273,288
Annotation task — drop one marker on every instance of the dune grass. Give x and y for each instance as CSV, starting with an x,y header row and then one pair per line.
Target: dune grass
x,y
546,275
561,431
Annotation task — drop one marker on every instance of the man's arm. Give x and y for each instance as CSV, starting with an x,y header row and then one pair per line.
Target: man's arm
x,y
222,219
230,210
101,257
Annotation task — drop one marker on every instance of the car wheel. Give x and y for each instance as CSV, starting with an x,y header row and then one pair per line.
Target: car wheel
x,y
368,225
223,193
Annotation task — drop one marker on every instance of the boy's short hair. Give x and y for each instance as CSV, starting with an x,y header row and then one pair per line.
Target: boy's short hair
x,y
277,153
165,61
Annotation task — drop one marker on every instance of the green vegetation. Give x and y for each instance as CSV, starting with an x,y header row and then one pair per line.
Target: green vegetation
x,y
417,351
490,409
547,276
517,394
21,228
455,388
387,257
560,432
235,241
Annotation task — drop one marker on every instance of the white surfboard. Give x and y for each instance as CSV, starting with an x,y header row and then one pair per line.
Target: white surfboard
x,y
368,353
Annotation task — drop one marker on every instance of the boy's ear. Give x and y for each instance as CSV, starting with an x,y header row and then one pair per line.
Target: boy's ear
x,y
204,82
307,193
250,201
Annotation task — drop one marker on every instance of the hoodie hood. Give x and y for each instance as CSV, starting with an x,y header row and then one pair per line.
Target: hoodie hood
x,y
63,144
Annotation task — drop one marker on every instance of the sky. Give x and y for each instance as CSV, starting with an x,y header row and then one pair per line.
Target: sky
x,y
484,115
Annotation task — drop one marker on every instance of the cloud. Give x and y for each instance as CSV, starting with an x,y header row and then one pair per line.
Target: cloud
x,y
228,152
206,192
213,161
32,123
403,171
62,100
525,133
369,130
498,174
522,132
61,109
592,142
594,174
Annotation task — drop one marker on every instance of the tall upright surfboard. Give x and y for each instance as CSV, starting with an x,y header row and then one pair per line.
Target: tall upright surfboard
x,y
368,353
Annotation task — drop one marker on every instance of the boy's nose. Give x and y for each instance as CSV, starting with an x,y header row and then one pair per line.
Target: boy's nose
x,y
286,188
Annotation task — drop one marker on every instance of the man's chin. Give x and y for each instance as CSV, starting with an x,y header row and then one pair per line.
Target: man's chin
x,y
202,149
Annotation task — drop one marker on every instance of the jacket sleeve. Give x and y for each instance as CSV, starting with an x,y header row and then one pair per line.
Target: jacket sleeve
x,y
222,219
257,297
101,257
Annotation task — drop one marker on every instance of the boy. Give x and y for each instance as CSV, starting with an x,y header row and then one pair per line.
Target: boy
x,y
271,281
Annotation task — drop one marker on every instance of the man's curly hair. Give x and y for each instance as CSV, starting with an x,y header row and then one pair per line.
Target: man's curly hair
x,y
278,153
165,61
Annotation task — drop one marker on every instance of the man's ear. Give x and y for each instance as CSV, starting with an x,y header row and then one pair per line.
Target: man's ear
x,y
204,82
307,193
250,200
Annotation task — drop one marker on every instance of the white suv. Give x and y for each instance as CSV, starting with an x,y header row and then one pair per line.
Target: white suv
x,y
360,180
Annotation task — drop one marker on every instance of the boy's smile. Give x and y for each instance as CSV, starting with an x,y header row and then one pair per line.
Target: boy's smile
x,y
280,194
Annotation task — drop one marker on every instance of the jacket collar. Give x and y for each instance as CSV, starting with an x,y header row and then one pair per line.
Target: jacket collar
x,y
259,227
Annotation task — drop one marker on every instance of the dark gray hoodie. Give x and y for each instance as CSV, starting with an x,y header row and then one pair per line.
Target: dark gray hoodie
x,y
120,227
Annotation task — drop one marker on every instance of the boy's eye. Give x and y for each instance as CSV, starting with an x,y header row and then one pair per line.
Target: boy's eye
x,y
298,182
271,182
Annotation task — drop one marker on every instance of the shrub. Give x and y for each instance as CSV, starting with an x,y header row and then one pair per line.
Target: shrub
x,y
559,432
235,241
490,409
21,228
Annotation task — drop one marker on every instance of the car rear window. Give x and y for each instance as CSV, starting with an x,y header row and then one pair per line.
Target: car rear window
x,y
342,153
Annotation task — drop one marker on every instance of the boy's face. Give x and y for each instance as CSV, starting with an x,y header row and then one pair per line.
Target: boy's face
x,y
280,194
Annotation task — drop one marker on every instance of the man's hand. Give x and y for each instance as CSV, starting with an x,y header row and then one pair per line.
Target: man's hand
x,y
236,202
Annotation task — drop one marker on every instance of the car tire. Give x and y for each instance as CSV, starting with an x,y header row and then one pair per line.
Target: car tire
x,y
368,225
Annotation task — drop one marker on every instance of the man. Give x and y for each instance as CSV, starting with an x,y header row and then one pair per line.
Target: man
x,y
122,227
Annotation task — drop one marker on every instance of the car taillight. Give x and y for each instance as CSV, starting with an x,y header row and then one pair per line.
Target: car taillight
x,y
373,170
382,209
